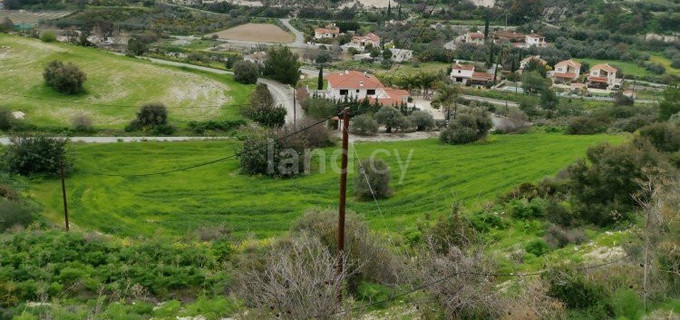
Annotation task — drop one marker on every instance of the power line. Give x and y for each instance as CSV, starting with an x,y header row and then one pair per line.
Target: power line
x,y
203,164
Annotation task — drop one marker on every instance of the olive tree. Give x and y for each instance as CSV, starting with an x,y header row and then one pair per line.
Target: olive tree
x,y
391,118
373,179
246,72
469,126
65,78
364,125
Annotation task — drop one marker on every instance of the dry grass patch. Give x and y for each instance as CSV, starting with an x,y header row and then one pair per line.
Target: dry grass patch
x,y
257,32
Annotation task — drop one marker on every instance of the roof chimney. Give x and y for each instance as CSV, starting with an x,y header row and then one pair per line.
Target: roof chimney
x,y
346,71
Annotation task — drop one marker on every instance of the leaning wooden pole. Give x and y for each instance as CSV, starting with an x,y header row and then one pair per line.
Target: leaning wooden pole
x,y
343,198
63,194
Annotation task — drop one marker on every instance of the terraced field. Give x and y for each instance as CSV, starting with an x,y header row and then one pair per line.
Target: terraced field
x,y
178,203
31,17
115,88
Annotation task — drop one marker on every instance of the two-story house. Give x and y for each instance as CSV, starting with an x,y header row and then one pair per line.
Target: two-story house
x,y
330,31
535,40
567,71
465,74
604,76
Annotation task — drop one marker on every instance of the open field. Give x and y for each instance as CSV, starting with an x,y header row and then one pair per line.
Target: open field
x,y
178,203
31,17
115,88
257,32
631,68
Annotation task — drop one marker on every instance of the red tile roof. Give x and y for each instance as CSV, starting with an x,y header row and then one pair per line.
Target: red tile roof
x,y
509,35
467,67
475,35
395,97
569,75
605,67
353,80
570,63
371,36
482,76
328,29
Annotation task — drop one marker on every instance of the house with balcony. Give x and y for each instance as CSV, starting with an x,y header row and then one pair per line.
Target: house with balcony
x,y
604,76
535,40
566,72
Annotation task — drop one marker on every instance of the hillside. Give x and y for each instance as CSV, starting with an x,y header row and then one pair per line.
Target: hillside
x,y
115,88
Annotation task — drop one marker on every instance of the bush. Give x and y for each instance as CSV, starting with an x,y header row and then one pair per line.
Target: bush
x,y
572,288
7,120
48,36
246,72
664,136
262,110
515,122
422,120
537,247
137,47
317,136
82,123
391,118
65,78
467,127
28,155
201,127
523,209
377,172
14,213
449,231
586,125
149,117
267,153
364,125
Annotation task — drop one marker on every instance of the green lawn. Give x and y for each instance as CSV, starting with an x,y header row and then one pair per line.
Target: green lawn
x,y
115,88
178,203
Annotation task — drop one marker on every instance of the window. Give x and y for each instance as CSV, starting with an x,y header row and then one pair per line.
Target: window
x,y
370,92
357,90
344,92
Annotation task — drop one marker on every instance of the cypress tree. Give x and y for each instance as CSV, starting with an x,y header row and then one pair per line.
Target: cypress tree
x,y
320,83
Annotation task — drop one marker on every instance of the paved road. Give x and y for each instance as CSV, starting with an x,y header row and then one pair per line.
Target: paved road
x,y
283,94
5,140
299,36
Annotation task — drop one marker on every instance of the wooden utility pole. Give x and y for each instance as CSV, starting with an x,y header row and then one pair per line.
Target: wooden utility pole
x,y
294,108
63,194
343,197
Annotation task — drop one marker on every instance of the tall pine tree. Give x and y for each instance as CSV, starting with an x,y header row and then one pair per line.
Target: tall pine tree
x,y
319,85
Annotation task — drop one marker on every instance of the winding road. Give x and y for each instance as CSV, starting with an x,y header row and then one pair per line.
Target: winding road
x,y
283,93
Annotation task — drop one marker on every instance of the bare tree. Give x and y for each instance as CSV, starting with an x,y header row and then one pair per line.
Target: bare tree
x,y
299,281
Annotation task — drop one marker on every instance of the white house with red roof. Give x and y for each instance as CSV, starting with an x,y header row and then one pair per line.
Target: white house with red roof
x,y
604,76
535,40
362,85
465,74
330,31
360,42
567,71
474,38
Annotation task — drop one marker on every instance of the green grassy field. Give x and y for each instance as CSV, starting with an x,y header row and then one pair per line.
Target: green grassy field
x,y
178,203
631,68
115,88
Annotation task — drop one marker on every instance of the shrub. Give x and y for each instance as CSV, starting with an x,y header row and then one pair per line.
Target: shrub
x,y
14,213
137,47
572,288
65,78
422,120
150,116
377,172
558,237
664,136
537,247
268,153
82,123
7,120
364,125
246,72
670,104
523,209
558,214
262,110
515,122
467,127
317,136
35,155
586,125
627,305
451,230
391,118
201,127
48,36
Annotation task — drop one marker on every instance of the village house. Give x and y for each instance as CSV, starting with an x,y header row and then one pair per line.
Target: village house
x,y
525,61
535,40
515,38
567,71
474,38
603,76
465,74
361,85
329,32
360,42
